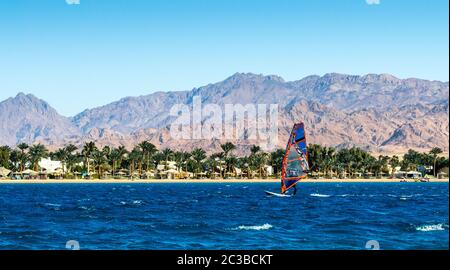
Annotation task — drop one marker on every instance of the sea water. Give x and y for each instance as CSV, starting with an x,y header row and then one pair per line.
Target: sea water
x,y
224,216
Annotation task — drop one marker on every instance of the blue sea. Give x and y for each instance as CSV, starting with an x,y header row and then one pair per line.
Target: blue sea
x,y
224,216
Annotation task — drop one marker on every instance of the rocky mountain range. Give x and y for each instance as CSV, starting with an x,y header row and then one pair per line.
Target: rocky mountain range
x,y
377,112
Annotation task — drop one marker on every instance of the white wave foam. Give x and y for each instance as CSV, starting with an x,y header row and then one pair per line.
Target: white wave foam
x,y
255,228
319,195
433,227
52,204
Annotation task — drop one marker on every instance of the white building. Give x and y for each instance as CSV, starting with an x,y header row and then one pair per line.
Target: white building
x,y
410,174
171,165
50,166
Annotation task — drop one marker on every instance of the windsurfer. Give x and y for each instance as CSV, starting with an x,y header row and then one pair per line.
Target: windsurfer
x,y
294,187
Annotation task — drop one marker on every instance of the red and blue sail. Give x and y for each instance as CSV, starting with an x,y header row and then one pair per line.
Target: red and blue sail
x,y
295,162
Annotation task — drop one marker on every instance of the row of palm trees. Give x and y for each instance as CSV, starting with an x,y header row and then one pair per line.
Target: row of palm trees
x,y
327,161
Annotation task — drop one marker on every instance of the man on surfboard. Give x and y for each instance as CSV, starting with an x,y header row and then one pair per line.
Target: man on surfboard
x,y
293,193
295,161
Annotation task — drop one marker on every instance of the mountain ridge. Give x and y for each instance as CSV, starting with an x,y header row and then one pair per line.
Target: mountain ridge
x,y
378,106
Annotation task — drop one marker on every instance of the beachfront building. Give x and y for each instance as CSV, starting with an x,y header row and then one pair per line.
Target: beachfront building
x,y
168,170
409,174
50,167
4,173
268,169
443,173
425,169
393,170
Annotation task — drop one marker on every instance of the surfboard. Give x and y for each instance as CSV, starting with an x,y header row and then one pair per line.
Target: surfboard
x,y
270,193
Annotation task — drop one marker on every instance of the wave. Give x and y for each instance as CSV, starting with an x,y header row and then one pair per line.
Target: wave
x,y
319,195
52,204
433,227
134,202
255,228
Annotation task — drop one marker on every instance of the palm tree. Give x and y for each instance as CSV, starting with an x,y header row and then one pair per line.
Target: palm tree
x,y
212,163
314,157
99,161
230,163
276,160
264,159
71,158
106,150
71,148
186,157
134,158
37,152
23,147
157,159
148,150
244,163
383,162
115,157
15,158
328,159
121,152
394,161
258,161
198,155
227,148
411,160
339,168
168,155
23,156
88,149
5,153
255,149
178,157
434,153
62,155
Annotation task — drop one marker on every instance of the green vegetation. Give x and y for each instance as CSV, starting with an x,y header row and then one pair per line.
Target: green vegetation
x,y
145,158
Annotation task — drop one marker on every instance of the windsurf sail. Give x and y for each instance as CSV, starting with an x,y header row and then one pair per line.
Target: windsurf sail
x,y
295,162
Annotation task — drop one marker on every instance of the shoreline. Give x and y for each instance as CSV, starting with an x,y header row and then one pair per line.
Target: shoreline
x,y
219,181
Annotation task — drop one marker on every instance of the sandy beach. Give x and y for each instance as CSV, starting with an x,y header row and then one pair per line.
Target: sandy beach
x,y
225,181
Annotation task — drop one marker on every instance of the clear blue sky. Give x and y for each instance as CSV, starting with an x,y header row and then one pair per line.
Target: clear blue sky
x,y
82,56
